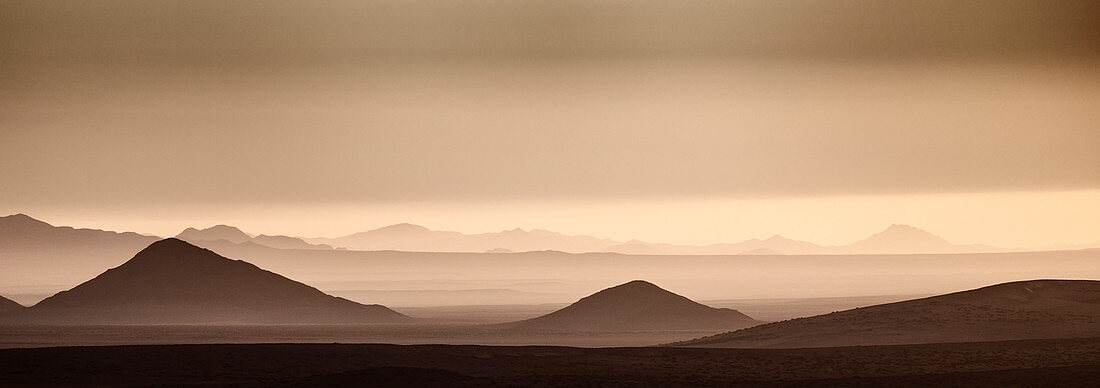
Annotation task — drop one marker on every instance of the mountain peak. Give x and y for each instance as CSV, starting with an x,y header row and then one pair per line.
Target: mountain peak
x,y
23,219
213,233
636,305
174,252
636,284
634,290
901,238
403,227
904,228
173,281
907,231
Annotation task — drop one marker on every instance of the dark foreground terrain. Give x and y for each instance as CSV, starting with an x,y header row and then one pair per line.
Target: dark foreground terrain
x,y
1063,362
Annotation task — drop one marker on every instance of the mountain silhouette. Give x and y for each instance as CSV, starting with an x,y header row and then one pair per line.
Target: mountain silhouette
x,y
216,236
172,281
896,239
214,233
1018,310
900,238
416,238
35,252
9,305
637,305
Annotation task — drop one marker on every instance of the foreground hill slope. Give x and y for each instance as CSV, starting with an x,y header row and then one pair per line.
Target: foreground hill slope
x,y
1018,310
172,281
9,305
637,305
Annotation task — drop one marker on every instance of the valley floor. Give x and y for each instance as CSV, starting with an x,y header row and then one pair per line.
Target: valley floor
x,y
26,336
1060,362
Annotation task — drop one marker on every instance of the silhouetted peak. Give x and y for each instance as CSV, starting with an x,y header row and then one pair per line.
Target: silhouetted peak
x,y
20,219
637,305
172,280
224,228
906,231
402,227
638,284
902,228
174,252
170,244
632,288
213,233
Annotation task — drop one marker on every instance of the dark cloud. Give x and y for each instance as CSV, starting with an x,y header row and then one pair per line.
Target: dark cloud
x,y
108,102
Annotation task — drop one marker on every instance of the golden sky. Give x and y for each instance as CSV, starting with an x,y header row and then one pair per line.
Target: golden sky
x,y
696,121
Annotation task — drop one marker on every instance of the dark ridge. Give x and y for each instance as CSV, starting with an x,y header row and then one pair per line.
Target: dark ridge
x,y
1032,309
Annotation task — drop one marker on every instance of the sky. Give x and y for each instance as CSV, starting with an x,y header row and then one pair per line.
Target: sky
x,y
686,122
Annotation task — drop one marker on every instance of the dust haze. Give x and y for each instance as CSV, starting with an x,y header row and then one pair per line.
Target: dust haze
x,y
626,193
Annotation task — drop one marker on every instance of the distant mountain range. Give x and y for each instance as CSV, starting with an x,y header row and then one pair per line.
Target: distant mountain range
x,y
31,250
1009,311
33,238
416,238
634,306
174,282
409,237
226,233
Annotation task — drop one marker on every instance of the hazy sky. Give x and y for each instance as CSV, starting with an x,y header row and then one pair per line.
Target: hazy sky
x,y
693,121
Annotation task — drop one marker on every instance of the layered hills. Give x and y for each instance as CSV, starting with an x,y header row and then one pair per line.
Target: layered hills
x,y
32,250
897,238
416,238
219,235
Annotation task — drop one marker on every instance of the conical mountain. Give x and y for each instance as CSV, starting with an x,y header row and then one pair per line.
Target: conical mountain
x,y
899,238
1009,311
637,305
172,281
9,305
